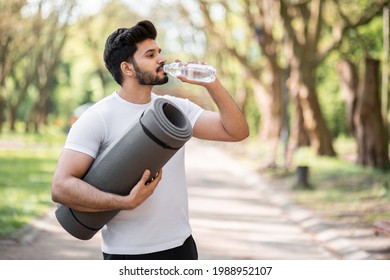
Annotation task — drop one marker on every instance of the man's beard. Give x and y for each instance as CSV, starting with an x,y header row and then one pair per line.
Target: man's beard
x,y
148,78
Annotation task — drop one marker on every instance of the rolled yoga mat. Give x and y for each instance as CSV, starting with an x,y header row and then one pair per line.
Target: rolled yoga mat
x,y
148,144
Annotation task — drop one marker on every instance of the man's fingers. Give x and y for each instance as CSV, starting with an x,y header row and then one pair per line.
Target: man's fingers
x,y
145,177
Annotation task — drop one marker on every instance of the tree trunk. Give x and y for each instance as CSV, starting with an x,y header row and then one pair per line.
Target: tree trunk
x,y
267,81
385,68
270,125
302,86
315,125
12,118
242,93
298,136
304,24
2,111
373,149
22,89
386,62
349,82
271,106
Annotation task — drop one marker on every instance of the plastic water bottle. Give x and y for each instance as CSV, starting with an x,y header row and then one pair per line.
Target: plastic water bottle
x,y
195,72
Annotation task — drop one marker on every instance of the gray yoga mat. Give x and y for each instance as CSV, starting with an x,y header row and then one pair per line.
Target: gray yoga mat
x,y
148,144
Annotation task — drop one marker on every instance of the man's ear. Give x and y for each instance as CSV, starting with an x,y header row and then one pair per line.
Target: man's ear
x,y
127,69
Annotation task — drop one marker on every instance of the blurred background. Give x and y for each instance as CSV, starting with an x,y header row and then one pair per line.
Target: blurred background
x,y
312,77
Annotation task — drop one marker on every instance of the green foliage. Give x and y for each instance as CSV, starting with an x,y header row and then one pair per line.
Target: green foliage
x,y
371,36
330,98
253,116
365,40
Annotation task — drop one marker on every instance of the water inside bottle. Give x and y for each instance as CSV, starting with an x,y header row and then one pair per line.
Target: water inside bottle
x,y
196,72
201,73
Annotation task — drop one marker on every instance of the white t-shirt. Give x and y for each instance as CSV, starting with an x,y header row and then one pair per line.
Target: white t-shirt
x,y
162,221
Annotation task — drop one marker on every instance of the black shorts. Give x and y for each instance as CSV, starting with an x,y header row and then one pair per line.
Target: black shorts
x,y
187,251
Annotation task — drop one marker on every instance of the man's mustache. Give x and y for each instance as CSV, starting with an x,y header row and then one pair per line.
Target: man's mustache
x,y
159,68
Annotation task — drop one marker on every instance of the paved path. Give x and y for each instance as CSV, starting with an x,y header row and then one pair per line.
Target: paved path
x,y
234,215
233,218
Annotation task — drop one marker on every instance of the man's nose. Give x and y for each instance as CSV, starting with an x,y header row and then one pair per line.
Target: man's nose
x,y
161,59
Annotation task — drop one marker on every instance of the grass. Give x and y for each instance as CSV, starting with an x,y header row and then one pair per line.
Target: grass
x,y
340,189
26,169
343,189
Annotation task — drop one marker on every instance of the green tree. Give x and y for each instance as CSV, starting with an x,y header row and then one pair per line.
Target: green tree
x,y
10,38
248,34
90,34
359,73
314,36
33,43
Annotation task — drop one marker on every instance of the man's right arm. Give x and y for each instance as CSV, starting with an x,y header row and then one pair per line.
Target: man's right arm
x,y
69,189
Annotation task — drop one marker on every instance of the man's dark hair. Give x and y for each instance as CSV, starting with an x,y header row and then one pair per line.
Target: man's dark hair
x,y
121,46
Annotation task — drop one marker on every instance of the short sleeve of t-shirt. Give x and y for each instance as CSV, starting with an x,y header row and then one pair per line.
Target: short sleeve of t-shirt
x,y
86,134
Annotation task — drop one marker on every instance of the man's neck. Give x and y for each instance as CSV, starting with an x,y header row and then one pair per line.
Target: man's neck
x,y
137,94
